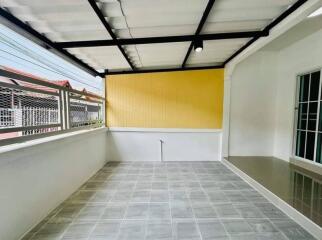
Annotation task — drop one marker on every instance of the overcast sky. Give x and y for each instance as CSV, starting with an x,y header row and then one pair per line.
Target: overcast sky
x,y
20,53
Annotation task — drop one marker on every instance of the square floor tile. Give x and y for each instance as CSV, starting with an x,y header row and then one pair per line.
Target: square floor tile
x,y
91,212
248,210
187,231
262,226
203,210
159,231
132,230
226,211
106,230
122,196
234,226
137,211
181,210
217,197
114,211
141,196
79,230
159,196
212,229
159,211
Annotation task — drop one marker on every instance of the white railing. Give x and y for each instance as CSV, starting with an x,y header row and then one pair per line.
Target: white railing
x,y
40,107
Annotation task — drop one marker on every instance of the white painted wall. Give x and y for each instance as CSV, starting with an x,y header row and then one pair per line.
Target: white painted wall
x,y
252,106
263,88
36,179
179,145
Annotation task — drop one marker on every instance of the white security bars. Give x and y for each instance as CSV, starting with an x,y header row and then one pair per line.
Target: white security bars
x,y
31,107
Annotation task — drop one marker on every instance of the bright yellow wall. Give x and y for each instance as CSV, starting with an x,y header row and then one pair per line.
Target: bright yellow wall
x,y
186,99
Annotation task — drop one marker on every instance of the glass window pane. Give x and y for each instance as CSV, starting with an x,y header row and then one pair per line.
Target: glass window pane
x,y
310,142
300,144
319,149
313,108
302,116
314,87
304,88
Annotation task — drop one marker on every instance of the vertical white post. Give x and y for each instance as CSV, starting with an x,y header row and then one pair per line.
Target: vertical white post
x,y
161,150
226,114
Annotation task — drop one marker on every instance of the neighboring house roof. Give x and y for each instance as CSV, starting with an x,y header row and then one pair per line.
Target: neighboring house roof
x,y
62,83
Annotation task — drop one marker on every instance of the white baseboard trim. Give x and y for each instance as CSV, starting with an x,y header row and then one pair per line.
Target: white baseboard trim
x,y
298,217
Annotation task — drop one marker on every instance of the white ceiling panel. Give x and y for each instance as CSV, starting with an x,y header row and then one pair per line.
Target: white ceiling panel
x,y
234,26
245,15
156,31
105,57
162,54
69,20
169,19
216,51
154,18
163,7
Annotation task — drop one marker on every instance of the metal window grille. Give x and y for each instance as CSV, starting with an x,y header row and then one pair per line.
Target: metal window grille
x,y
7,117
30,107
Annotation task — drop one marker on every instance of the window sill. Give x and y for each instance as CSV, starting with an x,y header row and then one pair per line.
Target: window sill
x,y
38,141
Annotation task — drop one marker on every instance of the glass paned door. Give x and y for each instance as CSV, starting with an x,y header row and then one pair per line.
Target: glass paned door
x,y
309,117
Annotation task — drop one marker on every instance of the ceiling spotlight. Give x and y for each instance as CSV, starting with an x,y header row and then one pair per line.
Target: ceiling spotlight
x,y
198,45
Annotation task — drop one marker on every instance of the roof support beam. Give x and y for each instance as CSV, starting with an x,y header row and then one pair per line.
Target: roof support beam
x,y
45,41
200,26
268,28
109,30
165,70
155,40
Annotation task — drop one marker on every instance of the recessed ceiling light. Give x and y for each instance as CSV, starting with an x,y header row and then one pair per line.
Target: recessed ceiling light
x,y
316,13
198,45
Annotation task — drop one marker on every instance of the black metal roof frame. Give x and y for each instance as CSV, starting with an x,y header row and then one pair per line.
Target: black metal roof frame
x,y
60,47
109,30
167,39
199,29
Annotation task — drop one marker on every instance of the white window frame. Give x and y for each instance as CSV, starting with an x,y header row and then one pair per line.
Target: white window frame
x,y
296,112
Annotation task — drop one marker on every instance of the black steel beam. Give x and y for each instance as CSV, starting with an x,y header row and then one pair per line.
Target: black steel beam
x,y
48,43
165,70
200,26
269,27
109,30
154,40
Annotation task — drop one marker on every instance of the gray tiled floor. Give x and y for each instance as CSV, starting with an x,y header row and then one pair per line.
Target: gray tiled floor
x,y
161,201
